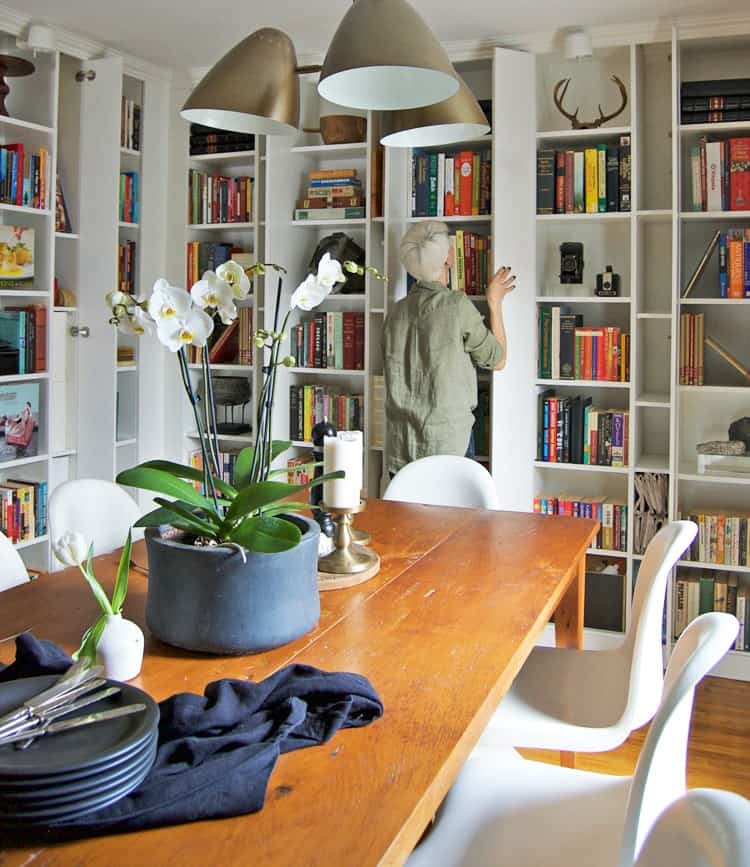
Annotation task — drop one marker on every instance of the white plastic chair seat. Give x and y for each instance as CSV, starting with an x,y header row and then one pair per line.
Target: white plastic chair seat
x,y
505,811
12,568
444,480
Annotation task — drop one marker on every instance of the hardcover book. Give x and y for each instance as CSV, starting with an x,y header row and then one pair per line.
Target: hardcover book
x,y
16,257
19,421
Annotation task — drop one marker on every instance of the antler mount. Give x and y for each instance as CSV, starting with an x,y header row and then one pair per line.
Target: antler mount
x,y
559,95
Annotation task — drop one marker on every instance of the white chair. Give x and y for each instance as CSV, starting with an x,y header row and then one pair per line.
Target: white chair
x,y
12,568
444,480
101,510
705,828
505,810
590,700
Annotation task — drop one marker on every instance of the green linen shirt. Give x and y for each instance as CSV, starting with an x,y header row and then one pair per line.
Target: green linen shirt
x,y
432,340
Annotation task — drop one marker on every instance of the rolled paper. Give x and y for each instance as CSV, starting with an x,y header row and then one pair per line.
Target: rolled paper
x,y
343,452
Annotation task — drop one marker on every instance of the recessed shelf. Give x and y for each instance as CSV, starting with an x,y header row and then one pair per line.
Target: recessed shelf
x,y
698,128
653,316
604,552
239,368
454,218
579,299
715,215
193,227
28,543
653,399
722,567
335,150
130,441
27,124
591,468
583,383
652,464
23,293
689,473
71,236
382,449
65,309
23,377
327,224
230,157
123,225
330,371
130,152
379,310
20,462
716,389
126,368
23,209
611,216
301,444
655,215
718,302
342,296
65,453
582,135
239,438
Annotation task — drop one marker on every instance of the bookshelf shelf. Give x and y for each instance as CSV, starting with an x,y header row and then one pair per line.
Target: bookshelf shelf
x,y
23,293
236,438
129,441
721,567
716,302
714,215
454,218
37,540
301,444
65,309
228,368
229,157
327,224
689,473
715,389
327,371
582,383
65,453
194,227
589,468
17,123
123,225
611,217
604,552
23,377
655,215
652,464
22,462
22,209
653,399
336,150
574,136
130,152
69,236
653,316
701,128
127,368
579,299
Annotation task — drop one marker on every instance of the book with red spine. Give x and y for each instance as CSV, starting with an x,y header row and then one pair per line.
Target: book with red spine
x,y
465,161
739,174
348,329
704,186
359,341
553,404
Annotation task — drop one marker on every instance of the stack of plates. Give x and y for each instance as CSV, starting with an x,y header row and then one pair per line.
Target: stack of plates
x,y
64,775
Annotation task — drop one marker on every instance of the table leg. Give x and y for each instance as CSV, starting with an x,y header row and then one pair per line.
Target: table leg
x,y
569,628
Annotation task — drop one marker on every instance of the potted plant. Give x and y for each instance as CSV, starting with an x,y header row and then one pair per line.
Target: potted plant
x,y
232,567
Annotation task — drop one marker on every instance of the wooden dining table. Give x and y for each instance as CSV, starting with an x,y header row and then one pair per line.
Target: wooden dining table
x,y
460,600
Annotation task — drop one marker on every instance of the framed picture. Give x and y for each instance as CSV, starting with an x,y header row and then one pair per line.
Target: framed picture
x,y
16,257
19,421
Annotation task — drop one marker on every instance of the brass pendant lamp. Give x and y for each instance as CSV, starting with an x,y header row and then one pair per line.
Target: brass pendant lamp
x,y
456,119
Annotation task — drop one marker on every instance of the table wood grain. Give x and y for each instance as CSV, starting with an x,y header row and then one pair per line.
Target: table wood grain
x,y
461,598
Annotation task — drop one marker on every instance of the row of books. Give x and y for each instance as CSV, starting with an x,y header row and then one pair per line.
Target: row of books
x,y
130,125
482,423
472,255
227,461
451,183
126,267
130,185
331,340
23,339
202,256
219,199
228,344
710,591
298,473
720,175
612,514
24,176
568,350
206,140
734,263
23,509
691,365
572,431
309,404
593,180
724,100
722,538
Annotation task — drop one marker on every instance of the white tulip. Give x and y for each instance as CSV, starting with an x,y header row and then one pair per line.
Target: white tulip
x,y
309,294
71,549
329,272
213,292
235,276
194,328
168,302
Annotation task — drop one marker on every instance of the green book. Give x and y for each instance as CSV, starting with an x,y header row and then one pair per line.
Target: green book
x,y
706,602
545,342
602,177
432,188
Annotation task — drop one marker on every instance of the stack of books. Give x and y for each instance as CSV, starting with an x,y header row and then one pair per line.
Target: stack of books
x,y
129,197
612,514
23,510
207,140
472,255
724,100
226,459
691,367
451,184
332,194
126,267
219,199
24,176
593,180
712,591
23,339
130,125
722,538
332,340
572,431
309,404
568,350
720,175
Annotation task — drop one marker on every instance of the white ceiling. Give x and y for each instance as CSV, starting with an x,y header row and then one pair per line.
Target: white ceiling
x,y
182,34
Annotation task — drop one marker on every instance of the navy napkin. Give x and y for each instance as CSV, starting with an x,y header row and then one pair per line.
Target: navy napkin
x,y
216,751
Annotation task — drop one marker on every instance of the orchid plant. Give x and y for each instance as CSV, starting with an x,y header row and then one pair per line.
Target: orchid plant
x,y
246,512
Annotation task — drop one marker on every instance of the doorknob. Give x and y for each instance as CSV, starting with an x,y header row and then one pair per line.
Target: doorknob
x,y
83,331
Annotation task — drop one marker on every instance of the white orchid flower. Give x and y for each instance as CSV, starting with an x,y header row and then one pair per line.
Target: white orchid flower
x,y
137,322
309,293
168,302
330,272
71,549
117,299
194,328
235,275
213,292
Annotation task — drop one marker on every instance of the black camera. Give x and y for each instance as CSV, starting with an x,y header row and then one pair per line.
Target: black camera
x,y
607,283
571,262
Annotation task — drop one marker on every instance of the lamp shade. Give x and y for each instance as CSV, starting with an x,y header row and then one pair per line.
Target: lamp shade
x,y
254,88
383,56
456,119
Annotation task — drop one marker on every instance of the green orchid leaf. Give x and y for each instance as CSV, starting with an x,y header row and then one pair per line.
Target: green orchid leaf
x,y
166,515
151,479
181,471
96,587
203,528
278,447
123,570
242,467
286,506
255,497
90,640
267,535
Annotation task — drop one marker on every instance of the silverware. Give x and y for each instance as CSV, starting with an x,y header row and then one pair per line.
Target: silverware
x,y
62,710
76,722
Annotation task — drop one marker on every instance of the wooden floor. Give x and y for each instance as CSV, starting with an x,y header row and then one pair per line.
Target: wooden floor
x,y
719,741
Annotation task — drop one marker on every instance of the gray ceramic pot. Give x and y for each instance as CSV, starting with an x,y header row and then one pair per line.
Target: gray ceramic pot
x,y
208,599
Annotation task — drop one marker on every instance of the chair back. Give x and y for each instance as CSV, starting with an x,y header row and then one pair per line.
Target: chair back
x,y
705,828
444,480
101,510
643,641
12,568
659,777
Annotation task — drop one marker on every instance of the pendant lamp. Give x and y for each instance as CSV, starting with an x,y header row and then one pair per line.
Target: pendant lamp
x,y
456,119
383,56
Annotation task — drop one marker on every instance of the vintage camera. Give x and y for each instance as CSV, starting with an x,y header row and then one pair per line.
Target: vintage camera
x,y
607,283
571,262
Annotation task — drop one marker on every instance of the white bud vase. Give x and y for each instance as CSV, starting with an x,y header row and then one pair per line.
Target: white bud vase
x,y
120,649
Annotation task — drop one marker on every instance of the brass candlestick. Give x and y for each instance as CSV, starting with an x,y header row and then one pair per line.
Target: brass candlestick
x,y
361,536
350,562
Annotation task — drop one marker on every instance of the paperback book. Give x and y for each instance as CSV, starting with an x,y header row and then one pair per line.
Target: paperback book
x,y
19,421
16,257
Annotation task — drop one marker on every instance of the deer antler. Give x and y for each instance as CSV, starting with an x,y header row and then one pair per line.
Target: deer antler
x,y
559,94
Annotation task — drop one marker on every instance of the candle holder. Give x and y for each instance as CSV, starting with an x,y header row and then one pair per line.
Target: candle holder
x,y
361,537
350,563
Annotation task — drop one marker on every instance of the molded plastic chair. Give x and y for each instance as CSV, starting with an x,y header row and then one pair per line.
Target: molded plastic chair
x,y
705,828
101,510
506,810
590,700
12,568
444,480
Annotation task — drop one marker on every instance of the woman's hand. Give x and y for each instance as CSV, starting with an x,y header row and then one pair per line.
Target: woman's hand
x,y
500,285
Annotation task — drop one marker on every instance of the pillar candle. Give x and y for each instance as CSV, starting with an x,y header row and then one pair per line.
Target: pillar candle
x,y
343,452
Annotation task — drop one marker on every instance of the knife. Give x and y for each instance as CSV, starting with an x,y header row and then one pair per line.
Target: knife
x,y
76,722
